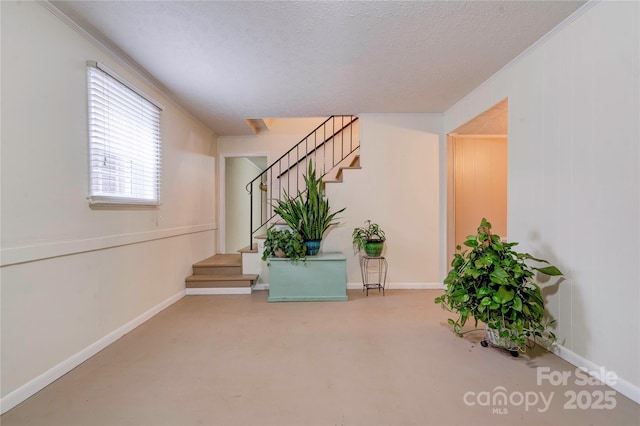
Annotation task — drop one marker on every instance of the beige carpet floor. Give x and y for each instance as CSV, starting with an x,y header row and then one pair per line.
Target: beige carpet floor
x,y
239,360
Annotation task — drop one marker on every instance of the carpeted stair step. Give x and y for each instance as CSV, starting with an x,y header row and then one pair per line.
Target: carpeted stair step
x,y
225,264
221,280
220,274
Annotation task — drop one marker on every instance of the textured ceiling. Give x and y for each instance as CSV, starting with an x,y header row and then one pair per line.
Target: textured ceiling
x,y
230,60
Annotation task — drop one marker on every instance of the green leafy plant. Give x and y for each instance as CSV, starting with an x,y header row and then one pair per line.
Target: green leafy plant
x,y
283,243
493,283
369,237
308,213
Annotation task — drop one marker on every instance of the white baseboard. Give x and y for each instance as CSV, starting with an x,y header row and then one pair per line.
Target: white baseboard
x,y
401,286
36,384
390,286
222,290
621,385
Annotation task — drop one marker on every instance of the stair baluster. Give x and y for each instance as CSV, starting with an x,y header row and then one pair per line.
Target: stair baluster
x,y
330,132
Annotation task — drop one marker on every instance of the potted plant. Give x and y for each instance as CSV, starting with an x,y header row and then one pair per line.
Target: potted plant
x,y
494,284
308,213
370,237
283,243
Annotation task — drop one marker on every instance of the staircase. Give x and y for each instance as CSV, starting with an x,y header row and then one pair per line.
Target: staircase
x,y
220,274
332,148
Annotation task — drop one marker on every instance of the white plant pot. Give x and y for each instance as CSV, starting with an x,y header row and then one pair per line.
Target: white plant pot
x,y
493,336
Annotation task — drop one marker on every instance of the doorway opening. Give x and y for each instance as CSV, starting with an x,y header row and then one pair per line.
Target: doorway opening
x,y
238,172
477,176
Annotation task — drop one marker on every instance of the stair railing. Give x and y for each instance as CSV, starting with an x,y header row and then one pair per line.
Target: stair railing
x,y
327,145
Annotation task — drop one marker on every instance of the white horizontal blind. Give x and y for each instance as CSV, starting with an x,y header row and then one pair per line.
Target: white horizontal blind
x,y
124,142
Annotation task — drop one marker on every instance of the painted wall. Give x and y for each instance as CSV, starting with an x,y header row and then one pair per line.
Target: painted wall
x,y
282,135
397,151
71,276
397,188
573,178
480,185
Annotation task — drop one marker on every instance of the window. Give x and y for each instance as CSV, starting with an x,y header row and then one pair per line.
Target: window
x,y
124,142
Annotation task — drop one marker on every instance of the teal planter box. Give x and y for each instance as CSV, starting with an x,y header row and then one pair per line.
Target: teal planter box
x,y
317,278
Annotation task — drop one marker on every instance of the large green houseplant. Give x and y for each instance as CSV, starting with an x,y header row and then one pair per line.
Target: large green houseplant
x,y
493,283
308,213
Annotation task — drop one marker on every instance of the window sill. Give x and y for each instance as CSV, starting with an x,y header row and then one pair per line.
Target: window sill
x,y
121,204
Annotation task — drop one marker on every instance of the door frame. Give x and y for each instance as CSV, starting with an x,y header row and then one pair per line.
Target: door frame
x,y
451,190
222,205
